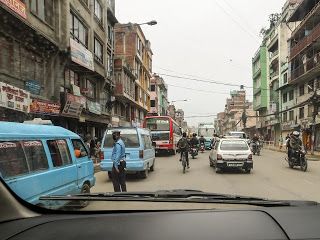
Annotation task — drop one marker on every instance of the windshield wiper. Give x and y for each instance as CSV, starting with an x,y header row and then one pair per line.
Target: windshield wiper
x,y
188,196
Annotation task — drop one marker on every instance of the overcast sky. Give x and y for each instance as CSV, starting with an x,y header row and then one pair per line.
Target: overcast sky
x,y
208,39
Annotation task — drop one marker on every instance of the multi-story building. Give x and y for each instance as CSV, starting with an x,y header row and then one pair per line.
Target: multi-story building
x,y
57,55
133,47
158,96
179,117
171,111
260,86
304,60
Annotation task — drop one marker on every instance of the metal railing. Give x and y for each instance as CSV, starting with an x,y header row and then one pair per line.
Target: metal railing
x,y
310,64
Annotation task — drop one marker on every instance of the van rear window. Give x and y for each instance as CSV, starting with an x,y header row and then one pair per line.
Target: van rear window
x,y
128,136
21,157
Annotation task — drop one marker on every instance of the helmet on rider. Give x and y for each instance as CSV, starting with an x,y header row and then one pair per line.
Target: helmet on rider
x,y
202,136
296,134
194,135
184,134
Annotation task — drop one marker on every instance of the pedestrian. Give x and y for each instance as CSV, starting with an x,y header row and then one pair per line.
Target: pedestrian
x,y
119,164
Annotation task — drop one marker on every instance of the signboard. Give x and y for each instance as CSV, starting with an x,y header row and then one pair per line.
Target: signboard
x,y
94,107
33,86
14,98
74,105
17,6
75,90
44,107
81,55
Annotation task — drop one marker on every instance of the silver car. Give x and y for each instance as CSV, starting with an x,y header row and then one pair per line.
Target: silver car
x,y
231,153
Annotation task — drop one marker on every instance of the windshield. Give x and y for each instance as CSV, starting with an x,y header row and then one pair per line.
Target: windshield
x,y
233,145
100,96
128,136
158,124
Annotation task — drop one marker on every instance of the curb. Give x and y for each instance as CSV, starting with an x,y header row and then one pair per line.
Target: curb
x,y
309,157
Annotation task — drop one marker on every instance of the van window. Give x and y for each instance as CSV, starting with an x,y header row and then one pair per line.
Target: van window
x,y
12,159
36,156
78,145
128,136
147,142
59,152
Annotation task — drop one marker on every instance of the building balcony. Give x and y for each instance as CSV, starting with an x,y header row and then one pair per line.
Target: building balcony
x,y
121,94
273,56
256,90
256,73
306,71
305,42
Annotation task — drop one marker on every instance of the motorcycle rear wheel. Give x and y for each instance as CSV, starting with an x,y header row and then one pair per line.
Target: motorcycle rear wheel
x,y
304,165
291,165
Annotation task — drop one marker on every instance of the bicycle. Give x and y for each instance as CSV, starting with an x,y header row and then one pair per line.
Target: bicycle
x,y
184,162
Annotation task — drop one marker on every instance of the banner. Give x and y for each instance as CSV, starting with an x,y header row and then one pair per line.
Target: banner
x,y
14,98
17,6
81,55
44,107
94,107
74,105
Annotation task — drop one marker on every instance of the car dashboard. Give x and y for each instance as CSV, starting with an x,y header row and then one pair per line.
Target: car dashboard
x,y
264,223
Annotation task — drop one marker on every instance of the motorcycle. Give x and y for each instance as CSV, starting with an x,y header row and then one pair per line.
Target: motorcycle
x,y
298,158
255,148
193,151
202,148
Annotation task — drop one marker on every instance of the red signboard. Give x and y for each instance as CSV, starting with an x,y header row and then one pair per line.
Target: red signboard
x,y
16,6
44,107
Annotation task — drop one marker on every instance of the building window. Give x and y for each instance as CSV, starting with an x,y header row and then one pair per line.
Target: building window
x,y
110,35
285,78
311,86
285,117
98,10
78,30
109,65
59,152
43,9
291,115
152,103
71,77
291,95
301,112
285,97
91,89
301,90
98,50
153,88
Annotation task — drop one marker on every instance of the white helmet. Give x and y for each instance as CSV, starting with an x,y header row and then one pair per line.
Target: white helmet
x,y
296,134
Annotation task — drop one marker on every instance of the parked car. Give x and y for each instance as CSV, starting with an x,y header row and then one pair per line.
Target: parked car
x,y
38,160
231,153
140,152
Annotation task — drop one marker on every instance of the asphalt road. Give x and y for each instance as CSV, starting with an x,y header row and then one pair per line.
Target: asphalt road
x,y
271,178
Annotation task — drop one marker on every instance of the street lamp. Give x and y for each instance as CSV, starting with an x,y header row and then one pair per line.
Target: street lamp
x,y
150,23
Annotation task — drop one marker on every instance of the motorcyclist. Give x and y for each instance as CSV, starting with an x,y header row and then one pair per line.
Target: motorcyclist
x,y
202,140
255,140
183,145
294,143
194,140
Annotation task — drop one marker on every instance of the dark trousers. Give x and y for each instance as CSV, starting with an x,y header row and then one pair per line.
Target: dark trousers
x,y
187,156
119,179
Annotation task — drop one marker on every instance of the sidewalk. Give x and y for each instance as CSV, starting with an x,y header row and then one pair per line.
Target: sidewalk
x,y
315,157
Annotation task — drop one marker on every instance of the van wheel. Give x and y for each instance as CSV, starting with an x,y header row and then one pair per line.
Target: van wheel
x,y
152,167
144,174
84,190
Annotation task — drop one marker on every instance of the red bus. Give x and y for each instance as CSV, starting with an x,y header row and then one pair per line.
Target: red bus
x,y
165,132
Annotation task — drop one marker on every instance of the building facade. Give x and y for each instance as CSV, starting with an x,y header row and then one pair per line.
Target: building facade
x,y
58,55
133,49
158,96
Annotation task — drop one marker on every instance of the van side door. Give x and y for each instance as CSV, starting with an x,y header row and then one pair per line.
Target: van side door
x,y
149,152
85,169
64,171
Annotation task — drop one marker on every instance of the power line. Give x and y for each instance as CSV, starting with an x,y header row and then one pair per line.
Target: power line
x,y
236,21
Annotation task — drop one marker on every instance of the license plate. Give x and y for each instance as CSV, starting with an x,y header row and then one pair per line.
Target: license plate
x,y
235,164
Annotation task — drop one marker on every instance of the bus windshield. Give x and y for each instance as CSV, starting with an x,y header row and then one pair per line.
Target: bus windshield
x,y
158,124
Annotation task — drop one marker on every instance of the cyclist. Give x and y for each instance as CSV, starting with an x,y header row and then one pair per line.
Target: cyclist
x,y
183,145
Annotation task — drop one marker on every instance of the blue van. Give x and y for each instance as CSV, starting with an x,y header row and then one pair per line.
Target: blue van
x,y
38,160
140,152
